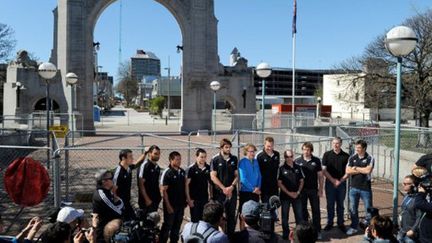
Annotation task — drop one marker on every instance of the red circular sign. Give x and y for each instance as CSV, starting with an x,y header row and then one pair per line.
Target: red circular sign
x,y
26,181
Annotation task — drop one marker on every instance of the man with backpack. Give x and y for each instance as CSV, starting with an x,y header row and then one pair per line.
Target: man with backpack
x,y
206,230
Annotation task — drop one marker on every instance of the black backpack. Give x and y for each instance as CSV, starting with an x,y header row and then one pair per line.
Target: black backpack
x,y
195,237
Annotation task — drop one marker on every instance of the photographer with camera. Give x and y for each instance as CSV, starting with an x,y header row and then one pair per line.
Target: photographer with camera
x,y
408,214
251,214
107,207
380,230
424,222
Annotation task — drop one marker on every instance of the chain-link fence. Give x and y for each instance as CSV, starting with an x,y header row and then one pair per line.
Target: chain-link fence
x,y
13,215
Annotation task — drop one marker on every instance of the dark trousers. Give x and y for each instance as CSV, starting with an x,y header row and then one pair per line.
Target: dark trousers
x,y
335,195
230,210
149,209
312,196
197,211
129,212
297,208
246,196
266,197
171,225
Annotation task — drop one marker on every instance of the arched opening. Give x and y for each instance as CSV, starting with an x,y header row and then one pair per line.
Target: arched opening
x,y
125,44
41,105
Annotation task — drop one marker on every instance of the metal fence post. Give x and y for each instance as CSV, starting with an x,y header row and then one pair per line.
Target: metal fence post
x,y
56,186
66,169
142,143
189,148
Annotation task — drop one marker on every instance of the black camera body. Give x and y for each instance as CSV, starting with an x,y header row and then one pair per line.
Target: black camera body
x,y
142,230
268,216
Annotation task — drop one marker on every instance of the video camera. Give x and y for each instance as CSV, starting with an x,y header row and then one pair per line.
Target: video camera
x,y
268,216
142,230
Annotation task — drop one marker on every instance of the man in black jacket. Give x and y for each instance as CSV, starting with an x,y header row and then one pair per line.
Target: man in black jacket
x,y
107,207
268,160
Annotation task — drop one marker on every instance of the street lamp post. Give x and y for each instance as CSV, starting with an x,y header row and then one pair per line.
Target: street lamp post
x,y
169,88
400,41
215,86
47,71
72,79
263,71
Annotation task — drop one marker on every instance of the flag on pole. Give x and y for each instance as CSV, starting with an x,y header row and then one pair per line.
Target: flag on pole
x,y
294,23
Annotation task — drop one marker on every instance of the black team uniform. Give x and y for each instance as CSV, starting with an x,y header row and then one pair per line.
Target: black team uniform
x,y
150,172
226,174
310,189
198,189
269,172
175,180
123,180
107,210
291,179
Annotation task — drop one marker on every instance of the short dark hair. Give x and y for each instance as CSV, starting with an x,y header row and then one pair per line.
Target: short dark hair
x,y
225,141
153,147
200,151
100,175
411,177
213,212
308,145
383,226
123,153
305,232
173,154
337,138
362,143
58,232
269,139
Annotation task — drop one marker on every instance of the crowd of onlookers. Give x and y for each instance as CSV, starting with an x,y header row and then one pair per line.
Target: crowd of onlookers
x,y
228,192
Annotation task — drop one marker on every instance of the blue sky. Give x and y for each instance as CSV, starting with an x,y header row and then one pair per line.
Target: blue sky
x,y
329,31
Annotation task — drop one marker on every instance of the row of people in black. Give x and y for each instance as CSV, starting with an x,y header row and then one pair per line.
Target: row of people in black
x,y
296,182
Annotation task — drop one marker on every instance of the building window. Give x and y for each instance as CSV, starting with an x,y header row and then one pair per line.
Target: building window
x,y
357,96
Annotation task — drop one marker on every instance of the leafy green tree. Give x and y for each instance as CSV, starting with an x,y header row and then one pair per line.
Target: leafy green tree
x,y
156,105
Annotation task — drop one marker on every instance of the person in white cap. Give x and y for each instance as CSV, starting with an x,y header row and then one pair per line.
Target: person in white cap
x,y
71,216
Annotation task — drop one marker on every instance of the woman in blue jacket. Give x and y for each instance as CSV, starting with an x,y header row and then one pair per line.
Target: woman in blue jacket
x,y
250,176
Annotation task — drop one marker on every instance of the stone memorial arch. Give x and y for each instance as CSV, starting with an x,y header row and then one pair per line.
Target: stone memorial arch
x,y
73,52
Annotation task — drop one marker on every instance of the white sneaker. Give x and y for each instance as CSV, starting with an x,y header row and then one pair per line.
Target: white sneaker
x,y
351,231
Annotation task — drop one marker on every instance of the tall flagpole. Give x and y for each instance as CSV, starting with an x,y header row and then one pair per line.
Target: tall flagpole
x,y
294,32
